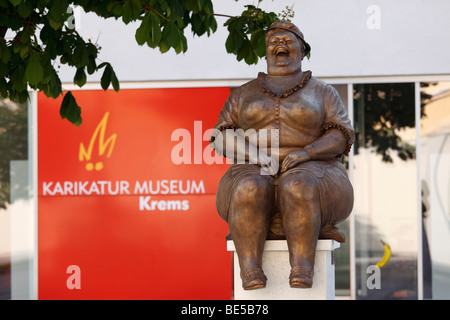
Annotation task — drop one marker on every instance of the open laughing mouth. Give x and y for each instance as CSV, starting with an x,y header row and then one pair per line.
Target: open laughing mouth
x,y
281,51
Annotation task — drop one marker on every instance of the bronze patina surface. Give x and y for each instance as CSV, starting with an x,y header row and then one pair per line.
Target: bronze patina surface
x,y
304,198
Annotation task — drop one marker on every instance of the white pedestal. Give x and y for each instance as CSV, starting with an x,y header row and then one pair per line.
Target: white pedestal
x,y
277,269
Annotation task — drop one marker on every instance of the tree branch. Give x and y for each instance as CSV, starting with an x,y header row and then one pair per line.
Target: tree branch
x,y
223,15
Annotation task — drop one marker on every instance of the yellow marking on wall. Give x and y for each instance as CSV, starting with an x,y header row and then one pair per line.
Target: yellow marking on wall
x,y
103,145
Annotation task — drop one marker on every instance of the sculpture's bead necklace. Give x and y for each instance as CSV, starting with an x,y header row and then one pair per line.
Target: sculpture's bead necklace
x,y
261,80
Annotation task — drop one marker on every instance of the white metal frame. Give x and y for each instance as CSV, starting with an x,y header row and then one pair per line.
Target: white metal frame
x,y
34,190
419,193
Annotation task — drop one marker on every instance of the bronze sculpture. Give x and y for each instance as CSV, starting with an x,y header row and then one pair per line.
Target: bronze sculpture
x,y
310,193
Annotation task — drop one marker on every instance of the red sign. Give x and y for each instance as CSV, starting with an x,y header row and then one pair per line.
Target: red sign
x,y
126,204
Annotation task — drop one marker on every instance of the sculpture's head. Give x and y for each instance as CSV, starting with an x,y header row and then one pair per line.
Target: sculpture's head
x,y
285,48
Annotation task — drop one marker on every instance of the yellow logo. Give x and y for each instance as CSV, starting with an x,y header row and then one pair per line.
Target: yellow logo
x,y
99,137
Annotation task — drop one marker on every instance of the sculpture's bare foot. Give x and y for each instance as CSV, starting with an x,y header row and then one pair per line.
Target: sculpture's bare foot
x,y
254,279
332,232
300,277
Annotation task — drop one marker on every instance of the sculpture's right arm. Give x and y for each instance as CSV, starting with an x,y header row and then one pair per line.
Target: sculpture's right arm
x,y
227,139
235,146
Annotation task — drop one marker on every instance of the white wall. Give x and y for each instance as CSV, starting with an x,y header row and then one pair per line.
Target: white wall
x,y
348,38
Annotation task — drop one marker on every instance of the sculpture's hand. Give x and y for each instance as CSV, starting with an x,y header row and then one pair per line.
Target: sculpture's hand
x,y
264,160
294,158
268,164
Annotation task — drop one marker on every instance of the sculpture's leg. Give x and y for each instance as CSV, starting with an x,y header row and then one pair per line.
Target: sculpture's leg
x,y
248,220
299,203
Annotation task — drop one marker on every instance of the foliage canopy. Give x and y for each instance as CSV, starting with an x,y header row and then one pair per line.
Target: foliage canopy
x,y
42,35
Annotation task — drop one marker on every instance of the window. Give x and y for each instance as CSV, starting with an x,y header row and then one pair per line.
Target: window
x,y
16,205
435,186
342,255
385,209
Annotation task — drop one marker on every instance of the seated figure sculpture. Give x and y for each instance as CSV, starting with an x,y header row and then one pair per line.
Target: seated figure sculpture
x,y
303,199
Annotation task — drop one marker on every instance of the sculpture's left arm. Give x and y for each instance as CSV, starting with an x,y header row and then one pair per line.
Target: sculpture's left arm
x,y
337,138
339,135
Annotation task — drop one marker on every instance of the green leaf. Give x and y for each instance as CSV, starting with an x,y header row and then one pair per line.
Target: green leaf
x,y
208,7
115,7
24,51
92,65
92,49
46,63
4,51
156,34
3,88
114,81
23,96
200,4
4,70
15,3
191,5
80,77
212,24
4,3
55,87
106,78
47,33
132,9
24,9
51,49
182,44
258,43
234,42
197,24
229,43
103,64
164,46
107,75
34,71
57,9
17,79
80,57
55,24
170,34
173,37
250,57
70,110
84,55
143,32
244,52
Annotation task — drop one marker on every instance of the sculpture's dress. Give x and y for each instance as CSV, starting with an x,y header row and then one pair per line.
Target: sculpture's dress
x,y
302,114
